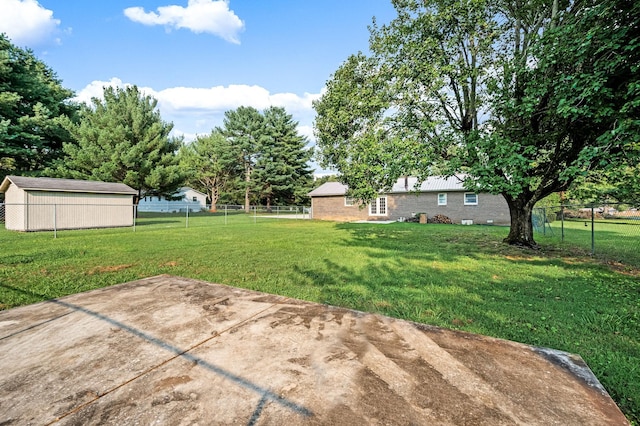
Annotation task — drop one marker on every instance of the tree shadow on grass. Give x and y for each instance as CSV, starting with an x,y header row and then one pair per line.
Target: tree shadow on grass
x,y
468,279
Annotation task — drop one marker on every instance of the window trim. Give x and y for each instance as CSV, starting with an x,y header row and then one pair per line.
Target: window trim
x,y
466,203
441,203
349,201
377,207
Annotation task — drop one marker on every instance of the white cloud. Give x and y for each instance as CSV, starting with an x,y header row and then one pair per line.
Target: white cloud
x,y
27,23
223,98
95,89
306,131
200,16
198,110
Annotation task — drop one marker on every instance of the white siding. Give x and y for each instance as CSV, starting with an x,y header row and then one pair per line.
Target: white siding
x,y
14,216
161,204
75,210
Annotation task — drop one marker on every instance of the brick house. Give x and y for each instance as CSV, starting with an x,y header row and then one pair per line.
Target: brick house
x,y
436,195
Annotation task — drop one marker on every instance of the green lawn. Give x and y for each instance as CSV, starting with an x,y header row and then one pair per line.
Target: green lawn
x,y
452,276
616,240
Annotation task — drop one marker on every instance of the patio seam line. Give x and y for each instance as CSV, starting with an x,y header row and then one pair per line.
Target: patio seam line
x,y
35,325
178,355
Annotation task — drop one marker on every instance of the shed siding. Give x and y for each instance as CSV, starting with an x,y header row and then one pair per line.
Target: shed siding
x,y
14,216
77,210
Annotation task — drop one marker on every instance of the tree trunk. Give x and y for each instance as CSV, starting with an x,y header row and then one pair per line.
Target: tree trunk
x,y
214,200
521,232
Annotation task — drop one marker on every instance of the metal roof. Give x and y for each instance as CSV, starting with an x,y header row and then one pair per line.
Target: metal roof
x,y
66,185
402,185
329,189
431,184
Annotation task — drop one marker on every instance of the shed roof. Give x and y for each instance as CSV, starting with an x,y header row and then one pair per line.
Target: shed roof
x,y
66,185
402,185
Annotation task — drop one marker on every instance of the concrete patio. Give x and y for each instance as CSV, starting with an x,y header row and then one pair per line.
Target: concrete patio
x,y
174,351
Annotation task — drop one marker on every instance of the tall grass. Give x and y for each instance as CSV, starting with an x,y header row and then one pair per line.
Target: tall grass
x,y
446,275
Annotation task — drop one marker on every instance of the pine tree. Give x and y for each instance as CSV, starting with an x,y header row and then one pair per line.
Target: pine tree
x,y
123,139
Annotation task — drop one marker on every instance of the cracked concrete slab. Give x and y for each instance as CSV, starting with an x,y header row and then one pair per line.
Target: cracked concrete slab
x,y
174,351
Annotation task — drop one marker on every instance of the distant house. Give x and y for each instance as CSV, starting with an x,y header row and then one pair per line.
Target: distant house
x,y
184,198
435,196
39,204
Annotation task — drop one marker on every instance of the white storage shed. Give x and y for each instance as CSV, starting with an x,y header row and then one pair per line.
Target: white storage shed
x,y
39,204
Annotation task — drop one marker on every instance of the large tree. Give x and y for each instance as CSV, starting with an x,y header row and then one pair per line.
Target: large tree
x,y
521,96
32,103
122,138
282,170
243,128
210,164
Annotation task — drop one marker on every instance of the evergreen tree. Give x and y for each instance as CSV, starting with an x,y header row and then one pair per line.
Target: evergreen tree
x,y
32,106
282,174
244,129
123,139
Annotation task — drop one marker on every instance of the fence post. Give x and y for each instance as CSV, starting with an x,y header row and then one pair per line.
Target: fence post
x,y
593,243
255,214
225,214
562,220
55,225
187,221
544,221
135,216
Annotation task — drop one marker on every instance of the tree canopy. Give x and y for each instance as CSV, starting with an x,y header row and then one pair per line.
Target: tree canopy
x,y
210,164
282,173
243,129
122,138
270,154
32,106
522,97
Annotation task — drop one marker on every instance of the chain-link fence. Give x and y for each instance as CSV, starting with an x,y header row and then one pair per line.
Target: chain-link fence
x,y
611,231
57,217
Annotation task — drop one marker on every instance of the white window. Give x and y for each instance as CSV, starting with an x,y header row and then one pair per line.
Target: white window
x,y
442,199
349,201
378,207
470,199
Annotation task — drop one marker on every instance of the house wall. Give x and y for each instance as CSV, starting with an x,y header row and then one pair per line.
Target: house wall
x,y
161,204
333,208
201,198
489,208
44,210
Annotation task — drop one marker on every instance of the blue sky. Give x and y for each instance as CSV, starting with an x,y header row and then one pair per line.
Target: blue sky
x,y
199,58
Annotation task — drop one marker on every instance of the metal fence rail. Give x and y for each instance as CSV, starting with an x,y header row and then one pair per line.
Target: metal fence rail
x,y
56,217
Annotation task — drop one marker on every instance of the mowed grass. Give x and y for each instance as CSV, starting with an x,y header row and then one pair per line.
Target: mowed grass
x,y
615,240
446,275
